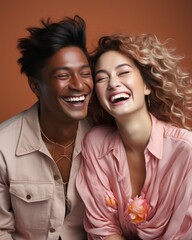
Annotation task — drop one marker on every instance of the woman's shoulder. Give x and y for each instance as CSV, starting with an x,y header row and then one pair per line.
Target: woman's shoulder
x,y
98,142
100,135
101,131
171,132
178,134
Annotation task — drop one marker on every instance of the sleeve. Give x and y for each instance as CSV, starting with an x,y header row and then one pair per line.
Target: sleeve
x,y
180,222
172,216
93,185
6,214
182,212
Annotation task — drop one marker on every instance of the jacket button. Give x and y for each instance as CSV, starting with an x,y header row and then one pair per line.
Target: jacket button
x,y
52,230
56,177
28,196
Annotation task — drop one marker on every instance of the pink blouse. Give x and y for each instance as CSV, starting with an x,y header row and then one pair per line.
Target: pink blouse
x,y
104,184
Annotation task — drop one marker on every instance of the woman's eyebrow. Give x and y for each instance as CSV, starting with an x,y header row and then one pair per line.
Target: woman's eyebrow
x,y
122,65
100,71
118,66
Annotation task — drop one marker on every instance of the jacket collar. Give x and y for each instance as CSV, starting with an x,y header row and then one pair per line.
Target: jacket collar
x,y
30,139
83,128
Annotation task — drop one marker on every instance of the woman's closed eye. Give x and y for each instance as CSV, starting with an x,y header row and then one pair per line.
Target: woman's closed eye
x,y
124,73
101,77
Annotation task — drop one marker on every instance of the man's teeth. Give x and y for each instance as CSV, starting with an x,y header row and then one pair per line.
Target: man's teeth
x,y
119,96
75,99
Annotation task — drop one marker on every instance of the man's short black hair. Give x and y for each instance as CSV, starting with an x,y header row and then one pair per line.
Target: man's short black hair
x,y
43,42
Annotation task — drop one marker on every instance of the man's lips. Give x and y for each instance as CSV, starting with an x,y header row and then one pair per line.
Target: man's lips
x,y
75,99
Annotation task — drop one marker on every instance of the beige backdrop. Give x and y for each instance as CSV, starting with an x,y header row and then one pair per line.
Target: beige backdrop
x,y
165,18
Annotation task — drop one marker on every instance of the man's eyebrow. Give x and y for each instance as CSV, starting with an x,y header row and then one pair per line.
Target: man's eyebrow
x,y
86,66
69,68
60,68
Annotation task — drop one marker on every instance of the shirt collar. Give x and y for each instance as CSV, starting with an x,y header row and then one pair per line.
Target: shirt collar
x,y
110,142
155,144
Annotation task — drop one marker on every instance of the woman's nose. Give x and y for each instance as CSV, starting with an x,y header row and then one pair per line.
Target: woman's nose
x,y
113,82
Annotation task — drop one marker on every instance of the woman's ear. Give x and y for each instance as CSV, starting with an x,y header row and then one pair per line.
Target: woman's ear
x,y
147,90
34,85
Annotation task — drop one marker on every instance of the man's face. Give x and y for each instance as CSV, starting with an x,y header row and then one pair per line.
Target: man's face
x,y
66,84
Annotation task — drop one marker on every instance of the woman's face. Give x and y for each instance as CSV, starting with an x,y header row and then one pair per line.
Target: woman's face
x,y
119,85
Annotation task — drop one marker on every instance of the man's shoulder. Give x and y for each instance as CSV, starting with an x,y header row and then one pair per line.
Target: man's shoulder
x,y
10,130
15,121
11,122
11,127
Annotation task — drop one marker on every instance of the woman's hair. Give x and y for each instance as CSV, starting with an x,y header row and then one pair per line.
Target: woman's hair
x,y
44,41
171,87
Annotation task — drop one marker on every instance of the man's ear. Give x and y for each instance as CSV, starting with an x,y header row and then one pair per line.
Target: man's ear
x,y
34,85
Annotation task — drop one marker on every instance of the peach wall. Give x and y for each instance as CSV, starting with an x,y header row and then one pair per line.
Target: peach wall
x,y
165,18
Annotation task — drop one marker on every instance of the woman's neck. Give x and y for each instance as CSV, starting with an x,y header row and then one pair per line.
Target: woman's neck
x,y
135,132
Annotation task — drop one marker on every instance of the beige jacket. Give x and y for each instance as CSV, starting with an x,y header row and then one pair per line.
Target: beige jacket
x,y
32,202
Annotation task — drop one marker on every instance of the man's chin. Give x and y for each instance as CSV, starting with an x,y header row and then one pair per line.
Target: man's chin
x,y
79,116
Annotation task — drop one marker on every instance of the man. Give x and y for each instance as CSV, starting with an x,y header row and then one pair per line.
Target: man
x,y
40,147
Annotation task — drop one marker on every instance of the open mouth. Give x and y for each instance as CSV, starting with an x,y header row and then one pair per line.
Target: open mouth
x,y
119,97
79,99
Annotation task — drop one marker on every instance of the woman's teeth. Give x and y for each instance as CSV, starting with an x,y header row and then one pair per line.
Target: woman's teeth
x,y
119,97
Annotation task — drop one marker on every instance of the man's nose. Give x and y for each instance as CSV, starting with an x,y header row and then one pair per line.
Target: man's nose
x,y
76,83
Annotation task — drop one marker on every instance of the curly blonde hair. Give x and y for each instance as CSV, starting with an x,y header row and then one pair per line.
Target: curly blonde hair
x,y
171,86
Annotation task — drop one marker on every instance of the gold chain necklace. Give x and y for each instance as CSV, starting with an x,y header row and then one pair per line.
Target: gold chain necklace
x,y
60,145
64,155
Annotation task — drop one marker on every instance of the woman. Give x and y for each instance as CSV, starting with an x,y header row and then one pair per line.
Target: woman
x,y
136,176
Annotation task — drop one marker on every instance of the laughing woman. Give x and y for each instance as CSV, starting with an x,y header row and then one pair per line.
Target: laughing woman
x,y
136,175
